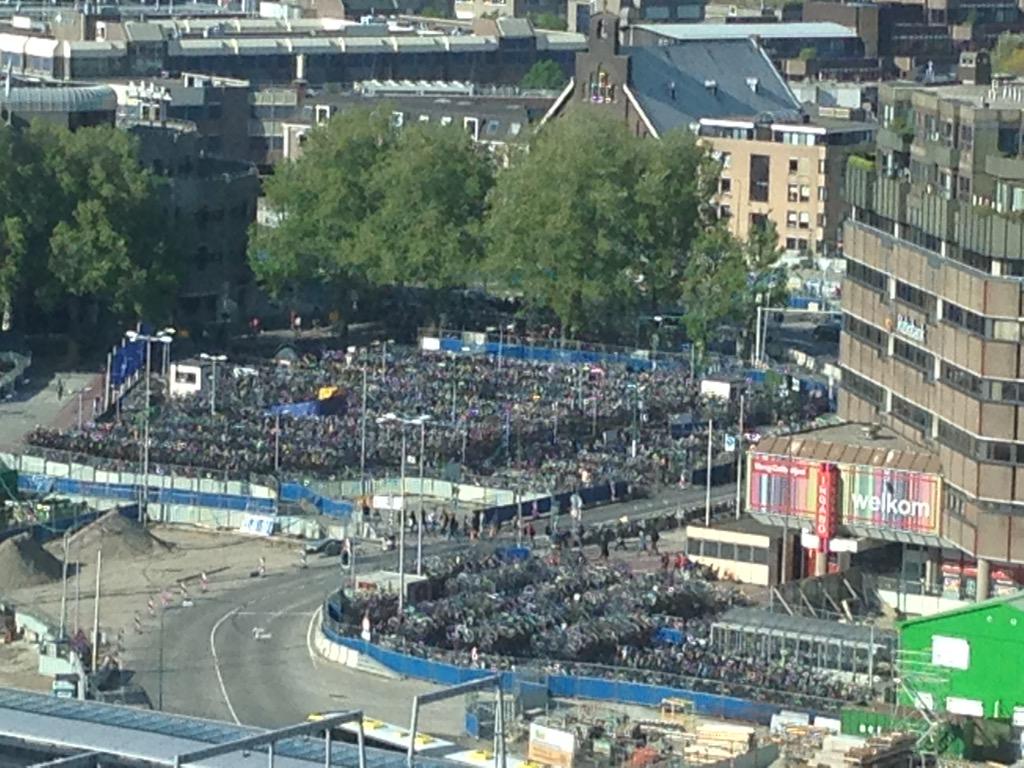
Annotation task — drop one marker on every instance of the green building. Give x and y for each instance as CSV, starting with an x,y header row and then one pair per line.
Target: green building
x,y
967,663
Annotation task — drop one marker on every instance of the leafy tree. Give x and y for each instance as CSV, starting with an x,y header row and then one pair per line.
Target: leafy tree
x,y
714,285
594,221
93,219
428,194
544,75
370,202
548,20
1008,55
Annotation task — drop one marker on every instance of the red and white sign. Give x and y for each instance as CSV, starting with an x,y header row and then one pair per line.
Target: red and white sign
x,y
827,505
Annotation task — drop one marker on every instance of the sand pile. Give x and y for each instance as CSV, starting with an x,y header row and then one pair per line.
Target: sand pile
x,y
120,538
24,563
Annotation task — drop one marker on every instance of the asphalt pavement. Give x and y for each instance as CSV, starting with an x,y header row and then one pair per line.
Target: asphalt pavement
x,y
213,665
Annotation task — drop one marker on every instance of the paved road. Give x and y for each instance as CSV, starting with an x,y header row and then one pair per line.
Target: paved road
x,y
213,667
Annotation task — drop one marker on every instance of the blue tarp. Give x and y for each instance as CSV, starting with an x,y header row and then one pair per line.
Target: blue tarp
x,y
303,410
669,636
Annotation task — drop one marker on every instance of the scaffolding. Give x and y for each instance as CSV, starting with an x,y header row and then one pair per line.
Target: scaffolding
x,y
919,706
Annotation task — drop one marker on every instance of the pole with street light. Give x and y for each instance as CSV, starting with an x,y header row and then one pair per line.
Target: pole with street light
x,y
81,394
419,522
213,360
162,338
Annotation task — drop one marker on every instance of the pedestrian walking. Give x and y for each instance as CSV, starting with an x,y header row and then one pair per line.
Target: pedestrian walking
x,y
655,538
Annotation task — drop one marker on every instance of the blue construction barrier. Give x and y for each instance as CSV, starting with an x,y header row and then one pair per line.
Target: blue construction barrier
x,y
563,686
130,493
555,355
296,492
591,495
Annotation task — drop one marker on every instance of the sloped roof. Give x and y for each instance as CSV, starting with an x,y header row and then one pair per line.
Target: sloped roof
x,y
1014,600
63,99
800,30
732,66
845,444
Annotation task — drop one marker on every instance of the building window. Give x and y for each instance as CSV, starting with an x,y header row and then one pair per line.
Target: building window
x,y
725,185
760,175
793,193
862,388
914,356
821,220
805,193
958,378
822,194
801,243
805,220
915,297
906,411
790,243
794,165
725,212
726,159
866,276
865,332
791,219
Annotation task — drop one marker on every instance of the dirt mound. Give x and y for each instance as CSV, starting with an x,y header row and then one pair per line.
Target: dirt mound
x,y
120,538
24,563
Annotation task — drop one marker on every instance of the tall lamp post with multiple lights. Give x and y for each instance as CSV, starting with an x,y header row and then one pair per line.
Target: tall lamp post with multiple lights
x,y
213,360
164,337
421,422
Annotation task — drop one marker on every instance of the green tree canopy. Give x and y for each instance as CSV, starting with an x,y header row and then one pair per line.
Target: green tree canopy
x,y
544,75
1008,55
371,202
82,226
594,221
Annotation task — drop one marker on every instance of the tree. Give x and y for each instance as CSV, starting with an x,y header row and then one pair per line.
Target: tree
x,y
714,286
592,216
1008,56
429,195
548,20
544,75
369,202
93,219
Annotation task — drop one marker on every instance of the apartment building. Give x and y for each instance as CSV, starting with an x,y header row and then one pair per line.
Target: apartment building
x,y
931,344
790,173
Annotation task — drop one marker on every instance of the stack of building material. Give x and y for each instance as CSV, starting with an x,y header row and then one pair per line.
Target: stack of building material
x,y
883,751
712,742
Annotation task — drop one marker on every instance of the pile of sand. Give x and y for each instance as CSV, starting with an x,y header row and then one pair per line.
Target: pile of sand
x,y
24,563
119,537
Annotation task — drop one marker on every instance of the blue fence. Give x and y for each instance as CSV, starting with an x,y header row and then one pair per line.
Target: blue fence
x,y
130,493
553,354
296,492
595,494
564,686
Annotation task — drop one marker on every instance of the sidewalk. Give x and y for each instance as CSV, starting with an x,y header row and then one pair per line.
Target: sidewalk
x,y
36,404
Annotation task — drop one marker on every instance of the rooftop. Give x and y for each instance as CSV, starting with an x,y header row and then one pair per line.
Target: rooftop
x,y
157,737
1014,600
807,30
677,85
852,443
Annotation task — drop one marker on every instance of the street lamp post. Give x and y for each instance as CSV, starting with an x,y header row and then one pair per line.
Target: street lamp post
x,y
81,394
162,338
401,533
213,360
419,522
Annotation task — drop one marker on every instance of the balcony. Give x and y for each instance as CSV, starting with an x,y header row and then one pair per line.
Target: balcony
x,y
940,154
984,231
1008,168
860,182
891,140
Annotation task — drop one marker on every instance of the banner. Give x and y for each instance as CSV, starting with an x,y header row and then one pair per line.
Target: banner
x,y
782,486
260,525
891,498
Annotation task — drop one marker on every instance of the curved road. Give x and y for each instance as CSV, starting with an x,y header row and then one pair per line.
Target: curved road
x,y
212,666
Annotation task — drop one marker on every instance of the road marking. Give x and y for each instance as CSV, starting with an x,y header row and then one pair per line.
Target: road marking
x,y
216,663
313,624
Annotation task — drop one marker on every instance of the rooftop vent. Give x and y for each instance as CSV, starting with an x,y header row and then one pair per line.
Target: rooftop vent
x,y
711,86
752,84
